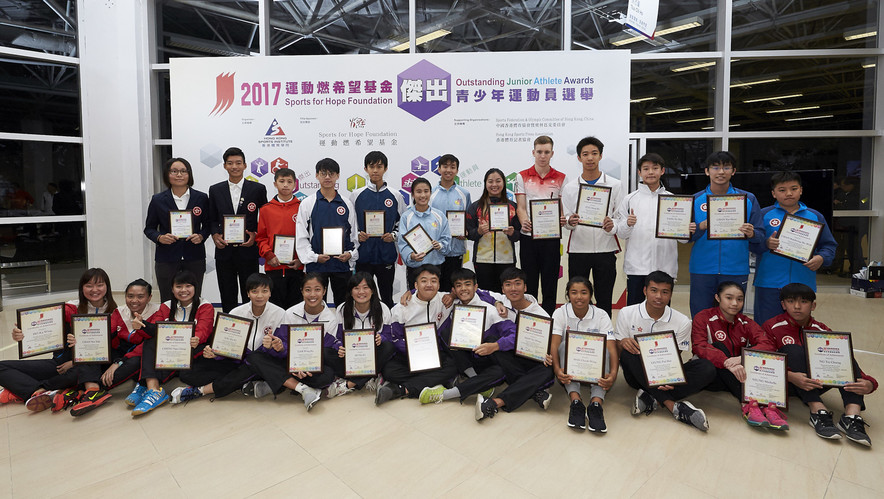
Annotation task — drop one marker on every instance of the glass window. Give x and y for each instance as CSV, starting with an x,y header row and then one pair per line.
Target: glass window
x,y
803,94
681,157
40,178
809,24
26,248
688,25
164,92
40,98
48,27
212,29
672,96
347,26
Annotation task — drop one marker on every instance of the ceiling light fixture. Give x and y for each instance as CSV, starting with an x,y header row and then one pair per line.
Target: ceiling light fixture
x,y
641,99
858,34
810,118
792,109
663,29
756,82
439,33
778,97
664,111
695,120
693,65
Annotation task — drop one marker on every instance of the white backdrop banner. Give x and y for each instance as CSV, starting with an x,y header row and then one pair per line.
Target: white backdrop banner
x,y
485,108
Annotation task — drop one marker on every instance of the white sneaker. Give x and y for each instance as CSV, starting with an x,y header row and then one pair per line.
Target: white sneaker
x,y
373,384
338,387
311,396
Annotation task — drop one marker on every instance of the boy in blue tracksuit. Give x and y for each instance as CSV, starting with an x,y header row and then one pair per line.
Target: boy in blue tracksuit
x,y
433,221
377,254
714,261
326,208
448,196
775,271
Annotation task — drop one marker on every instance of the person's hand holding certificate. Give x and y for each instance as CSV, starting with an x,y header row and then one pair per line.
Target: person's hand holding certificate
x,y
333,241
418,239
284,248
593,202
661,358
498,216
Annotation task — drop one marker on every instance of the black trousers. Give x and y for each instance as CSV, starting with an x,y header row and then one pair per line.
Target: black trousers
x,y
166,273
24,377
524,378
91,373
286,287
488,275
385,274
724,380
604,272
699,373
226,375
397,371
796,360
382,354
338,285
129,369
149,363
540,259
488,373
232,275
635,289
450,264
275,371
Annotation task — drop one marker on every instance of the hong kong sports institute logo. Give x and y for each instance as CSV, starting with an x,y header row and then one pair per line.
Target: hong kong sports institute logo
x,y
224,93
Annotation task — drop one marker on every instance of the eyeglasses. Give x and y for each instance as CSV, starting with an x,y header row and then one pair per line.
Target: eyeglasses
x,y
326,174
178,172
719,168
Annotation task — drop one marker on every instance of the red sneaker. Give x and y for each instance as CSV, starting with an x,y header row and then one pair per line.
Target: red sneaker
x,y
775,418
7,397
90,400
40,402
753,415
63,400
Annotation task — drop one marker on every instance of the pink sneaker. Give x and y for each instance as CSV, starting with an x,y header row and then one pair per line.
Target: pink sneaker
x,y
753,414
775,418
7,397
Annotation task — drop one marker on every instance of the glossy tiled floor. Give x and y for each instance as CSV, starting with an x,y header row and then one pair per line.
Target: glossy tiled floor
x,y
347,447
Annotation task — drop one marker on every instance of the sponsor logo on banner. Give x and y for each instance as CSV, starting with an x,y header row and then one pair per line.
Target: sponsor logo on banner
x,y
357,122
224,93
275,136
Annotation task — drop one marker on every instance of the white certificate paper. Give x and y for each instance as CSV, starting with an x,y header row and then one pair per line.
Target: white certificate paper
x,y
42,328
585,356
533,336
332,241
498,216
359,353
173,345
92,333
305,348
419,240
284,248
180,224
457,222
725,215
546,217
765,378
230,336
593,202
674,215
829,357
661,358
234,229
467,326
423,351
374,223
798,237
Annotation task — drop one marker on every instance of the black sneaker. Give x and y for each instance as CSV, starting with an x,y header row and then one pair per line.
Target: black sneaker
x,y
854,428
823,424
387,392
685,412
643,403
596,417
577,415
542,397
485,408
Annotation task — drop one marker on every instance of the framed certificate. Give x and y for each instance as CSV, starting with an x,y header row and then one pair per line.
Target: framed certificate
x,y
467,326
585,356
284,248
230,336
181,224
457,222
43,329
829,357
661,358
765,378
533,336
593,202
798,237
305,347
375,225
546,217
674,216
423,351
359,353
725,214
418,239
498,216
92,332
332,241
235,229
173,345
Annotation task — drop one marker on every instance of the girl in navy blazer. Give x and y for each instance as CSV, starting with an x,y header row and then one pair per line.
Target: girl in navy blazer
x,y
173,254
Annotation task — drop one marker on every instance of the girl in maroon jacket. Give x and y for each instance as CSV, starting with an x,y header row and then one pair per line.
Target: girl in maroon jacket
x,y
720,334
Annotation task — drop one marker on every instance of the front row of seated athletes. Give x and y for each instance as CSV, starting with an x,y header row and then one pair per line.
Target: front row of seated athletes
x,y
716,337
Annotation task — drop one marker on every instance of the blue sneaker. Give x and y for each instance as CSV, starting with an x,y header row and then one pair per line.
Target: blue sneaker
x,y
152,399
136,396
185,394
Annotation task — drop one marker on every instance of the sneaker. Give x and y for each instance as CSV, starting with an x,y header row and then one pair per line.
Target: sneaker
x,y
40,402
753,415
256,389
311,397
90,400
854,428
372,384
542,397
339,387
488,393
7,397
385,393
136,396
596,416
152,399
432,394
775,418
185,394
64,400
823,424
643,403
577,415
685,412
485,408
